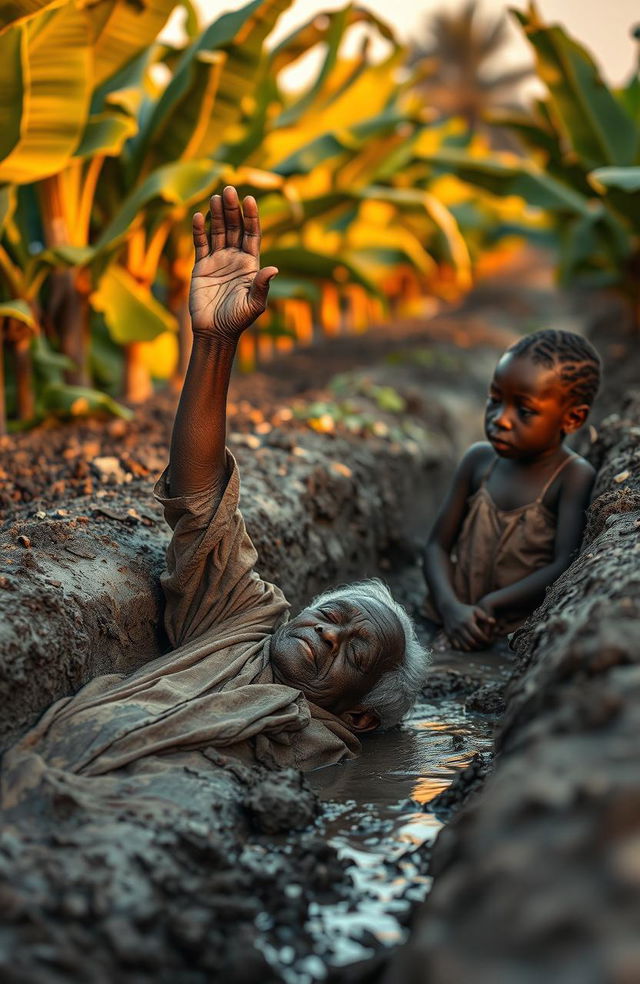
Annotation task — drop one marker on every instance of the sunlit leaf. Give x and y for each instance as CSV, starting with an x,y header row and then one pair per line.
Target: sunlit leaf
x,y
80,401
55,93
182,184
13,12
594,121
105,134
19,310
130,310
510,178
121,29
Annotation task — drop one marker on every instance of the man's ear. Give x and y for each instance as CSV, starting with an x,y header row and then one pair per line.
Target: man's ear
x,y
360,719
574,417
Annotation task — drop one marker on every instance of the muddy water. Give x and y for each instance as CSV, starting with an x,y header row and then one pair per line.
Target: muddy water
x,y
376,814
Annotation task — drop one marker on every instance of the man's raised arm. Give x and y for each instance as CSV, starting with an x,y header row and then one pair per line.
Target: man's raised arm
x,y
228,292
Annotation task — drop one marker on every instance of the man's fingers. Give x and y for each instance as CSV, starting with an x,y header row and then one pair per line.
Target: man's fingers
x,y
200,239
259,290
484,616
232,217
252,235
218,232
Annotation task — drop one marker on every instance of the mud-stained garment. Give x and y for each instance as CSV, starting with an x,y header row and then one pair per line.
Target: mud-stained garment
x,y
214,690
497,547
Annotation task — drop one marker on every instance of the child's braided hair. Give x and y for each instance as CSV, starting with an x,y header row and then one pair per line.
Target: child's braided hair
x,y
576,359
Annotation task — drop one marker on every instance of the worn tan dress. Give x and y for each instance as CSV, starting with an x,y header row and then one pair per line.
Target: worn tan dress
x,y
214,690
497,547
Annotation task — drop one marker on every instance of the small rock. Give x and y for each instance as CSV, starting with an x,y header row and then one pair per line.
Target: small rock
x,y
24,541
41,515
110,471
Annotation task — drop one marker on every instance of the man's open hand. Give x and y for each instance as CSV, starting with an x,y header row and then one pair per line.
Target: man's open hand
x,y
228,288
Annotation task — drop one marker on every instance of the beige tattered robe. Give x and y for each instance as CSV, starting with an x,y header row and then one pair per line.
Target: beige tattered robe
x,y
214,690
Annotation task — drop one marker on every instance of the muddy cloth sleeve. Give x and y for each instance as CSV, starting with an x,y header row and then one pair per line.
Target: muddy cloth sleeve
x,y
210,574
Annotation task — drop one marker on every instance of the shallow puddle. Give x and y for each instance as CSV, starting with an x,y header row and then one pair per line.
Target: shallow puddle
x,y
375,815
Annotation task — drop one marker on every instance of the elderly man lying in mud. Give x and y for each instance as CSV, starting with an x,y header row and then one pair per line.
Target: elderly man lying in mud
x,y
242,676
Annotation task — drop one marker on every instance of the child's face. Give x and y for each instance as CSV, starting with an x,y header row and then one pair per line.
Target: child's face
x,y
527,410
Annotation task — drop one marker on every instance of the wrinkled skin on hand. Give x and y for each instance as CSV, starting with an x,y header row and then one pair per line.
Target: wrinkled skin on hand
x,y
228,288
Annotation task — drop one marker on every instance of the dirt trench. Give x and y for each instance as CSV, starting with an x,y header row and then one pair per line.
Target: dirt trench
x,y
538,878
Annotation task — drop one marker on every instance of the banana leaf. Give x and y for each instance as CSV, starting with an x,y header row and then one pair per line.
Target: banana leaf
x,y
130,310
300,262
518,178
19,310
13,12
79,401
105,133
55,92
121,30
178,185
595,123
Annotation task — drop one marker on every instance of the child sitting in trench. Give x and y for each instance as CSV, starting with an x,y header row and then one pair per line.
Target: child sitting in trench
x,y
515,513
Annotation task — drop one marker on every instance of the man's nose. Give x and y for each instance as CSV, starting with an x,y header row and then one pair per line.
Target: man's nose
x,y
330,634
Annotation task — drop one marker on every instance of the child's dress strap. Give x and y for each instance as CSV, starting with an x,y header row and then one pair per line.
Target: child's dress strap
x,y
554,475
487,472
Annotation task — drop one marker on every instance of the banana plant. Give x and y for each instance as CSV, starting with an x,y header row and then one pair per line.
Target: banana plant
x,y
582,164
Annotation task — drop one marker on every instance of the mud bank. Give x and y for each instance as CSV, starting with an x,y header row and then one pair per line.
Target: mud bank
x,y
539,877
221,884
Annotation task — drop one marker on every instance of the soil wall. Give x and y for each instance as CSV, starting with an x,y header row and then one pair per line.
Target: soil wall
x,y
538,879
79,588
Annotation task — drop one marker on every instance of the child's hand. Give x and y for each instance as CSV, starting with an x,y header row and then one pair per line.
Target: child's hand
x,y
228,288
468,627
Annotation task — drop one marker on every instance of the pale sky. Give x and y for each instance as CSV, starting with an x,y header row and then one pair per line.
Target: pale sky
x,y
603,27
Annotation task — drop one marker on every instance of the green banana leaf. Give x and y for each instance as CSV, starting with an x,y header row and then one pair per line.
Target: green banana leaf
x,y
19,310
300,262
204,99
624,178
55,92
105,134
519,178
178,185
595,123
130,310
79,401
620,188
7,204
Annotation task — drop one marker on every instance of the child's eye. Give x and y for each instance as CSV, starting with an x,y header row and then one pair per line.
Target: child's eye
x,y
526,413
492,400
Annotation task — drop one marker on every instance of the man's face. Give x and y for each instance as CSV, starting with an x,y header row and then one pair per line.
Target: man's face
x,y
337,651
526,408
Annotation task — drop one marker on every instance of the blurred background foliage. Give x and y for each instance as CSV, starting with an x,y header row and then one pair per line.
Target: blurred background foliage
x,y
380,182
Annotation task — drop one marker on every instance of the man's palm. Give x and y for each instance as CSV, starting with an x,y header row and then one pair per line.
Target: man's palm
x,y
228,288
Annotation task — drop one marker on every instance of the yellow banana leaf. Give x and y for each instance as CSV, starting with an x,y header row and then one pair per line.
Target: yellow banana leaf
x,y
130,310
121,29
55,93
204,100
14,12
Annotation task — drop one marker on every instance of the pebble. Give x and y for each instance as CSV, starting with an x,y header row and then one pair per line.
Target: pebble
x,y
24,541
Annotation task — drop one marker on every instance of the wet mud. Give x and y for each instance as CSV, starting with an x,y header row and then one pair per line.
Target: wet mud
x,y
248,875
538,878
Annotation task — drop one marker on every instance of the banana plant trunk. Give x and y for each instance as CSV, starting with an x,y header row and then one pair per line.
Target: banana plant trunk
x,y
3,396
137,379
25,401
69,314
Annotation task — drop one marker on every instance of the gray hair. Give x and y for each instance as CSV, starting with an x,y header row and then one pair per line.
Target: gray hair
x,y
396,691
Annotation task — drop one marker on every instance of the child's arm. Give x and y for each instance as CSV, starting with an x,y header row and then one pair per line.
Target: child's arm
x,y
467,626
228,292
574,497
